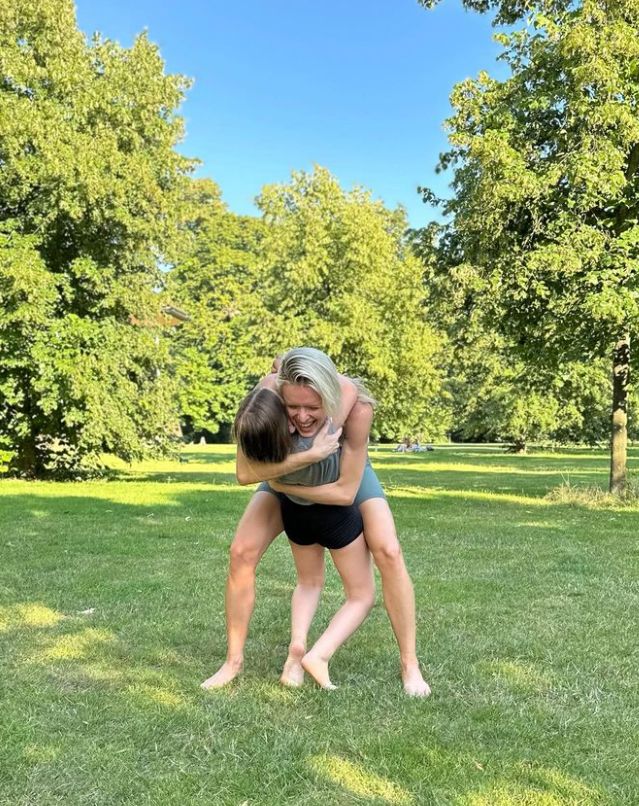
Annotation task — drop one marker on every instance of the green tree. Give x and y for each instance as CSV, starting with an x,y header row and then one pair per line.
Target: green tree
x,y
88,182
495,393
543,233
218,353
338,273
497,396
508,12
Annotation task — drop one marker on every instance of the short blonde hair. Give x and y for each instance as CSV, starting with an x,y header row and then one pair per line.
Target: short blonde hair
x,y
306,366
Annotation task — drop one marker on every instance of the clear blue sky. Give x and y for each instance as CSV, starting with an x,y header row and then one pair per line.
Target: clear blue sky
x,y
359,87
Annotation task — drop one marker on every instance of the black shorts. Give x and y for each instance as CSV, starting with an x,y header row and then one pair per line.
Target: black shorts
x,y
329,525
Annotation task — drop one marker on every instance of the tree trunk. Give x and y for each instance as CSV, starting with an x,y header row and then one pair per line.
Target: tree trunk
x,y
25,461
619,435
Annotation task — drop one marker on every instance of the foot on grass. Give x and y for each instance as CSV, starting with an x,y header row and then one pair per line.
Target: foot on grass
x,y
318,669
293,672
228,671
414,683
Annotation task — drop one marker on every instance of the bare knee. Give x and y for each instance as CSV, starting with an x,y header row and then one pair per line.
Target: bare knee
x,y
244,556
363,597
368,600
306,590
310,586
312,579
259,525
389,558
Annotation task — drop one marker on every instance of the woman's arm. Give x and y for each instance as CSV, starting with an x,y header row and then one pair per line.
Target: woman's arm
x,y
349,399
354,453
248,471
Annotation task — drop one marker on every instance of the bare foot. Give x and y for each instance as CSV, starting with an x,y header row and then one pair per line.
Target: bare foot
x,y
318,670
414,683
227,672
293,672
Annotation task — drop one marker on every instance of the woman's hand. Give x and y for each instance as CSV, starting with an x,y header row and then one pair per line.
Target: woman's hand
x,y
324,443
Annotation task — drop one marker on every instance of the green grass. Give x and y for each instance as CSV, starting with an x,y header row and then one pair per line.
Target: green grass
x,y
527,626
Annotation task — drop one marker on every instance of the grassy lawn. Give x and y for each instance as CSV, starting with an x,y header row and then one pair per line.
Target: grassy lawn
x,y
111,613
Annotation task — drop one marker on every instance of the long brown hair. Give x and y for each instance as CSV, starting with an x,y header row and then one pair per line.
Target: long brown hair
x,y
261,427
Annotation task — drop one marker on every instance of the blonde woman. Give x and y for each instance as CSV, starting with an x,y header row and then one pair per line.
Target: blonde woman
x,y
311,389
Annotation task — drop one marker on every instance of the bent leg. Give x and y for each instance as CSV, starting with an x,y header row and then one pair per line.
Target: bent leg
x,y
353,563
309,562
399,598
259,526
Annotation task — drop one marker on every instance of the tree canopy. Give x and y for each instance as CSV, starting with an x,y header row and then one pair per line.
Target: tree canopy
x,y
533,276
543,231
323,266
88,187
508,12
222,351
340,274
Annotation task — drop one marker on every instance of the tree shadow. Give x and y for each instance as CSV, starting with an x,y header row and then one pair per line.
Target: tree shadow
x,y
112,613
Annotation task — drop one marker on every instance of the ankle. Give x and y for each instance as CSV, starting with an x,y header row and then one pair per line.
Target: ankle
x,y
235,661
409,663
297,649
317,655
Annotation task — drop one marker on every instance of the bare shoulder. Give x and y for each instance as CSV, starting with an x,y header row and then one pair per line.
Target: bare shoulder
x,y
358,422
346,383
361,412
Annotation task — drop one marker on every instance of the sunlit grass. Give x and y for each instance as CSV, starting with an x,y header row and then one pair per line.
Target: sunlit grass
x,y
28,615
76,646
548,787
520,675
355,779
111,613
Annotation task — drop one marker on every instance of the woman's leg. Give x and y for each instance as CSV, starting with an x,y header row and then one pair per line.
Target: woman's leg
x,y
259,526
399,598
353,563
309,562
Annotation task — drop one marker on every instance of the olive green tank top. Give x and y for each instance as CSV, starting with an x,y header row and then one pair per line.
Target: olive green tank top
x,y
314,475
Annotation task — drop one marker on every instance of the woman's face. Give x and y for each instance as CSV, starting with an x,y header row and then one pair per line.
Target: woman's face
x,y
304,408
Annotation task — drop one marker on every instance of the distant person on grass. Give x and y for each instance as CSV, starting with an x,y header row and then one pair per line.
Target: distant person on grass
x,y
311,388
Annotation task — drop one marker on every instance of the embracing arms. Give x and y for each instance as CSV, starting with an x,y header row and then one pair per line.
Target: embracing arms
x,y
353,460
248,471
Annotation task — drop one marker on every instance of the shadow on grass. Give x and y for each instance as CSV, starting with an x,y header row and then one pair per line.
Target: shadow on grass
x,y
113,613
450,469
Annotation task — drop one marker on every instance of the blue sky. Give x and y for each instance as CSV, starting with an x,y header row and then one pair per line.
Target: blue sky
x,y
359,87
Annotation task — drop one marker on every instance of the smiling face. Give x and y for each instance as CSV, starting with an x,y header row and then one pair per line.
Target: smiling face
x,y
304,408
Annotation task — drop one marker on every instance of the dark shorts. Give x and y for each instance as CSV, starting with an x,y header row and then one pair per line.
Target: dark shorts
x,y
331,526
